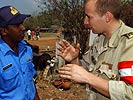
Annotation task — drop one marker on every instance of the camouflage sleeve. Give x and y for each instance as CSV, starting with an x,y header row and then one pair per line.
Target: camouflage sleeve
x,y
119,90
123,89
127,53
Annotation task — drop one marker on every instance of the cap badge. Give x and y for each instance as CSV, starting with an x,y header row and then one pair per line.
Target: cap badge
x,y
13,11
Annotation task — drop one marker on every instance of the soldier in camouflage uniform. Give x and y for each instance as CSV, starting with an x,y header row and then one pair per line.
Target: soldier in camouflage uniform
x,y
107,67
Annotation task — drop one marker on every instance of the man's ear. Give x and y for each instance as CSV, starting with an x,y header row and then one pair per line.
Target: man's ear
x,y
109,16
3,31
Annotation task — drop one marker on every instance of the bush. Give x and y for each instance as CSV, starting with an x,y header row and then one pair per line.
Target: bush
x,y
127,13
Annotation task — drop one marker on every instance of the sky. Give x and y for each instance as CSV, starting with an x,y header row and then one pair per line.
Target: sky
x,y
24,6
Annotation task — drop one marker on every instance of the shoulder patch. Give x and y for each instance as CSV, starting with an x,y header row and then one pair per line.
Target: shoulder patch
x,y
129,35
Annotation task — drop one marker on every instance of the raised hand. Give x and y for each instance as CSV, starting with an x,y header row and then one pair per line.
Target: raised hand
x,y
67,51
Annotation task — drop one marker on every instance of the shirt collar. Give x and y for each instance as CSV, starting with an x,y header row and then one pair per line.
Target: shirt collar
x,y
5,48
113,41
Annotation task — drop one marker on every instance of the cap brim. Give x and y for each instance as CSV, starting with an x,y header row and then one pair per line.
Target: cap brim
x,y
18,19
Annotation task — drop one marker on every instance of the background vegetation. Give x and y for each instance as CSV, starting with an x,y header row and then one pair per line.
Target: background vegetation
x,y
69,14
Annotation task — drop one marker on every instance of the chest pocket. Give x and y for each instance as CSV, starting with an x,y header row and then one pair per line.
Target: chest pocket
x,y
29,74
10,78
104,69
29,70
111,59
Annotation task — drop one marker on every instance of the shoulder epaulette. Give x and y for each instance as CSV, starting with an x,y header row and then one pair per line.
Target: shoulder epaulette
x,y
129,35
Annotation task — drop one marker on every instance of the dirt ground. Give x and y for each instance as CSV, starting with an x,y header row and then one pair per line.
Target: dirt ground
x,y
45,87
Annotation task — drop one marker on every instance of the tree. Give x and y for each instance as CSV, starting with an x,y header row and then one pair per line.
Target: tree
x,y
68,14
127,12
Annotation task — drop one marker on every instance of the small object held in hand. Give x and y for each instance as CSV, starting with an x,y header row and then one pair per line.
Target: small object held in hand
x,y
62,84
77,46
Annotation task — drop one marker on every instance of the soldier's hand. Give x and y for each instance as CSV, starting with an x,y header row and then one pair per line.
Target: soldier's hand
x,y
67,51
74,72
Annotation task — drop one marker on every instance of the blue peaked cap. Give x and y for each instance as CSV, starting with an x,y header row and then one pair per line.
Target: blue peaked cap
x,y
11,16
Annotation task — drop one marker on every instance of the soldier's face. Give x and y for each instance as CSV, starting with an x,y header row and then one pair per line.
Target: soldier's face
x,y
95,21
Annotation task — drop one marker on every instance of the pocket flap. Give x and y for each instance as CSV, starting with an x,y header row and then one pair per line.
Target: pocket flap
x,y
10,73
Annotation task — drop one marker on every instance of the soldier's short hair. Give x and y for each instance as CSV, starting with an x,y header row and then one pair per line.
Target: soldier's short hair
x,y
113,6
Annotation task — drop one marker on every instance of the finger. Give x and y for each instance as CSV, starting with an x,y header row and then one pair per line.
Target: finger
x,y
61,50
77,46
65,68
66,43
60,53
65,76
63,43
62,72
68,66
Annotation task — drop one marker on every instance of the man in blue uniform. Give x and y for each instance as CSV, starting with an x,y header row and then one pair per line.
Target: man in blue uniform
x,y
16,67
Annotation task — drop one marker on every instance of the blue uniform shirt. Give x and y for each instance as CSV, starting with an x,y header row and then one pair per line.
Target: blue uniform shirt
x,y
16,72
